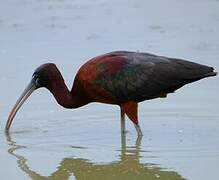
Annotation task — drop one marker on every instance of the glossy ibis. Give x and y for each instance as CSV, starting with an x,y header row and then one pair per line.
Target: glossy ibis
x,y
121,78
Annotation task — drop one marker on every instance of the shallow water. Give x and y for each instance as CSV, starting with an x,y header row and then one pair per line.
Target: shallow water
x,y
181,139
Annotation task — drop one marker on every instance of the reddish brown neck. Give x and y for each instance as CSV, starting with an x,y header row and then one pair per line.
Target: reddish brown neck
x,y
64,97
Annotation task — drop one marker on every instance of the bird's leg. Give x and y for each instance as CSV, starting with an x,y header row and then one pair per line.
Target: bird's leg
x,y
123,135
138,129
131,109
122,121
138,142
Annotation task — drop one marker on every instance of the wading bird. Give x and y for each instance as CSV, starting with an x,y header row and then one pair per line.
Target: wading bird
x,y
121,78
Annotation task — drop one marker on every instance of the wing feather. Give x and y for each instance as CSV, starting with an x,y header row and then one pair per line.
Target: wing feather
x,y
144,76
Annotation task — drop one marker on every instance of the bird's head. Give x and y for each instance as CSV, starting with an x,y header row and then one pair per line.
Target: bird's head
x,y
42,77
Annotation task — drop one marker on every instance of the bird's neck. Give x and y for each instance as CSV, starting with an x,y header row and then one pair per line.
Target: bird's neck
x,y
62,94
64,97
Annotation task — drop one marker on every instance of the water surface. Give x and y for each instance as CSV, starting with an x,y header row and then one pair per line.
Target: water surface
x,y
181,138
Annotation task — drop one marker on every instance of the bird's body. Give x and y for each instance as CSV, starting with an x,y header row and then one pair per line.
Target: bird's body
x,y
121,78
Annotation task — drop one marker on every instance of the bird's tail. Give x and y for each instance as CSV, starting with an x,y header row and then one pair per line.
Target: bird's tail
x,y
205,75
211,73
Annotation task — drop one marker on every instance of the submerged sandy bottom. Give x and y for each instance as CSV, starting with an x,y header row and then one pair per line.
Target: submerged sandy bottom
x,y
181,139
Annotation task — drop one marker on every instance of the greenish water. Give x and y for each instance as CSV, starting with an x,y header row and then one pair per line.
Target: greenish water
x,y
181,139
128,166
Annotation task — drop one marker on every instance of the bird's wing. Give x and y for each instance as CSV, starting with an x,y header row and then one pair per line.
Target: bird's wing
x,y
141,76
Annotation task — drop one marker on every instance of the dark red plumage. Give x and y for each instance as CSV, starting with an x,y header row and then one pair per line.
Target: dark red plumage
x,y
121,78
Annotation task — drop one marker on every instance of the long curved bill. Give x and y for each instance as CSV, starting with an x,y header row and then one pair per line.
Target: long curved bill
x,y
27,92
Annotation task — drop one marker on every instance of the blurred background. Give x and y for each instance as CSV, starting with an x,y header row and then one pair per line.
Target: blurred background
x,y
47,141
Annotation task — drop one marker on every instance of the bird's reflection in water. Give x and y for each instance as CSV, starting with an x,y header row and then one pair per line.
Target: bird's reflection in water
x,y
127,167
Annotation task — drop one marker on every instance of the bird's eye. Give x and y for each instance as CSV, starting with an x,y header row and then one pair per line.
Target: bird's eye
x,y
37,82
